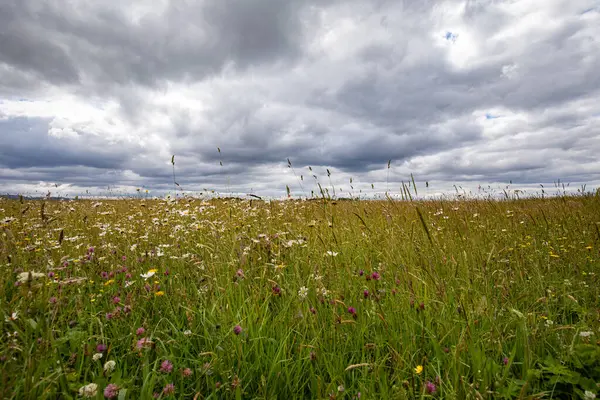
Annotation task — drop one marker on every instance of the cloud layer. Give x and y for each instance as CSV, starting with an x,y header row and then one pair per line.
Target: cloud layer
x,y
100,94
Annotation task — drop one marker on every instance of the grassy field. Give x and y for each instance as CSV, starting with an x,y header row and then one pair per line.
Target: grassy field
x,y
300,299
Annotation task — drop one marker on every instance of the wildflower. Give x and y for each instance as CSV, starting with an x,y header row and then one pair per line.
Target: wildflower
x,y
166,366
89,390
312,310
109,316
505,361
276,290
366,293
352,310
237,329
101,348
109,366
430,387
25,276
143,342
549,323
159,293
341,388
104,275
140,331
418,369
586,334
375,275
111,391
169,389
50,274
52,300
13,317
97,356
587,395
149,274
240,273
187,332
116,300
186,373
303,292
332,253
361,272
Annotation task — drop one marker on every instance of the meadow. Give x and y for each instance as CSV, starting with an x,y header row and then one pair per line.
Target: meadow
x,y
319,299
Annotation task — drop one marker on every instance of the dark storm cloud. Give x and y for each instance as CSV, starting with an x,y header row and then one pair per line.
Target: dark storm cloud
x,y
25,143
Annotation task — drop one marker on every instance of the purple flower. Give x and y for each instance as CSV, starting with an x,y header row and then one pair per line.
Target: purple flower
x,y
276,290
116,300
169,389
140,331
422,306
352,310
91,250
52,300
104,275
124,258
166,366
167,272
143,342
430,387
101,348
111,391
505,361
366,293
237,329
186,373
240,273
361,272
50,274
109,316
312,310
375,275
128,276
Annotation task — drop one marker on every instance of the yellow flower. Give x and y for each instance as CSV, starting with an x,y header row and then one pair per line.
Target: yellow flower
x,y
418,369
159,293
152,271
108,282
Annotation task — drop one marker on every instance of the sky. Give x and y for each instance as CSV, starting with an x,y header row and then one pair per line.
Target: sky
x,y
97,96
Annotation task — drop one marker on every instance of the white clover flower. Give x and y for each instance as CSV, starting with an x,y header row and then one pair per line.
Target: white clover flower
x,y
589,395
89,390
303,292
97,356
109,366
324,292
586,334
549,323
187,332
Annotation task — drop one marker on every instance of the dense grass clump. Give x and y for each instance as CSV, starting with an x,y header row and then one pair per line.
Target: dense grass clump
x,y
300,299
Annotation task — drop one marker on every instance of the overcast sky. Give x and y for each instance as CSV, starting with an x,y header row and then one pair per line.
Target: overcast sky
x,y
97,94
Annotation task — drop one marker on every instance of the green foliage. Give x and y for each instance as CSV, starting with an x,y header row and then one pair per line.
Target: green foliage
x,y
423,299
